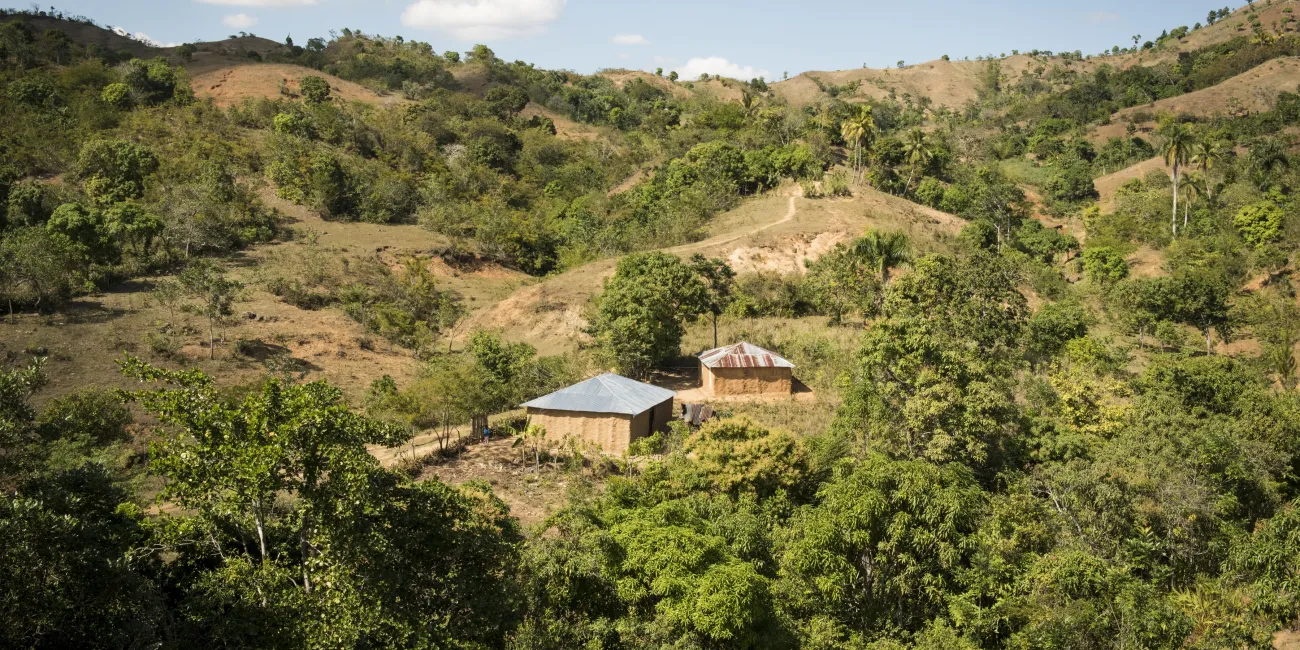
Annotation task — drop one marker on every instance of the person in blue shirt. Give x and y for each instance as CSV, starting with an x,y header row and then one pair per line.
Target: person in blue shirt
x,y
487,434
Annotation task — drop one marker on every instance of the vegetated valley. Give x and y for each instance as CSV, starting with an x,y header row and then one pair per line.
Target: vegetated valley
x,y
259,297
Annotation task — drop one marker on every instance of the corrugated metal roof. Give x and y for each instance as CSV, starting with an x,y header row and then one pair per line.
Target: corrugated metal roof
x,y
743,355
608,393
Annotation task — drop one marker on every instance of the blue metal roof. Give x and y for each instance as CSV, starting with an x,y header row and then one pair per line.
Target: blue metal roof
x,y
608,393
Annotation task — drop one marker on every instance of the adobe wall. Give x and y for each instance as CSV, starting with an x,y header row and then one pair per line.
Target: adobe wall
x,y
746,381
612,432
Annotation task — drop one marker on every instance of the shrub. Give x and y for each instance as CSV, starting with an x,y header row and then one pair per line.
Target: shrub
x,y
836,184
1259,223
315,90
1104,265
117,95
930,191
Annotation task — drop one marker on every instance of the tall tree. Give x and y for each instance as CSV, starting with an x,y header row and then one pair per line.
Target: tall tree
x,y
1176,147
641,315
917,151
720,284
859,130
1206,156
290,534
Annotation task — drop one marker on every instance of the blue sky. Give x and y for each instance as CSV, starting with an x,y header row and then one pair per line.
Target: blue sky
x,y
741,39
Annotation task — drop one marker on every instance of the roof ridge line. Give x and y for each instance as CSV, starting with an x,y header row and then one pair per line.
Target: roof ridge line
x,y
614,393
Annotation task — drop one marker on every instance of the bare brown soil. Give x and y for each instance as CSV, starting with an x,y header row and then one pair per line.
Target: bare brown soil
x,y
564,127
228,85
533,494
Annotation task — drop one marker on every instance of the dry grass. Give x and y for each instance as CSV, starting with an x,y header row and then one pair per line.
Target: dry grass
x,y
231,84
1252,91
759,234
1109,184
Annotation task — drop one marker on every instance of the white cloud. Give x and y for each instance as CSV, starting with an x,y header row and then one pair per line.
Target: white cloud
x,y
629,39
142,37
260,3
664,60
1098,17
239,21
697,66
484,19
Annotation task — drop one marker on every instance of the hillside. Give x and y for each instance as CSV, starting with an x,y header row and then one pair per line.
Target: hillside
x,y
232,83
1011,380
1250,92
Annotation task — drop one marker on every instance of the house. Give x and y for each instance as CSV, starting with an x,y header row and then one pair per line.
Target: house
x,y
745,369
609,411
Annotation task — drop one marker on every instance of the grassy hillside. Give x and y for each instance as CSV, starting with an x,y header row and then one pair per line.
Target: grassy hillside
x,y
261,297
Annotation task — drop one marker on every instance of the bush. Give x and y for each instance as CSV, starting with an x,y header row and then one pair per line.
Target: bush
x,y
1259,223
1052,326
930,191
314,89
837,184
1104,265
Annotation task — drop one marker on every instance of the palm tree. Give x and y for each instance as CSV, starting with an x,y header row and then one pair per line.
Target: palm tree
x,y
882,251
852,133
1268,158
1193,187
1177,146
916,149
860,131
1206,156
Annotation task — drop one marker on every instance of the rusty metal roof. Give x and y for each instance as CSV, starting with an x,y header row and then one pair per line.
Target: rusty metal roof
x,y
608,393
743,355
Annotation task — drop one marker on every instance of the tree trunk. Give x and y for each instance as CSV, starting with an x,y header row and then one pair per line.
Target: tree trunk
x,y
715,331
1174,221
306,555
212,346
261,535
1209,348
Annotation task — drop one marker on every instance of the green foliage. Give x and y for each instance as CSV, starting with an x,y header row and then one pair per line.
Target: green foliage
x,y
642,312
406,307
840,283
314,89
115,170
117,95
1104,265
1054,325
1259,223
883,541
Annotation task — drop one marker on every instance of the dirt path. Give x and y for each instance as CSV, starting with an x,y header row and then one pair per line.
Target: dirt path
x,y
723,240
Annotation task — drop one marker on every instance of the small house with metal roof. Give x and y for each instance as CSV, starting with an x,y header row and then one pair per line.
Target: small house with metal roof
x,y
745,369
609,411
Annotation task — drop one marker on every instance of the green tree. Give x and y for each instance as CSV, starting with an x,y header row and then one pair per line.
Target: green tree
x,y
315,89
115,170
842,282
720,285
882,251
918,152
1207,153
283,515
859,131
1259,223
213,295
41,269
1177,142
640,315
884,543
1104,265
87,228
